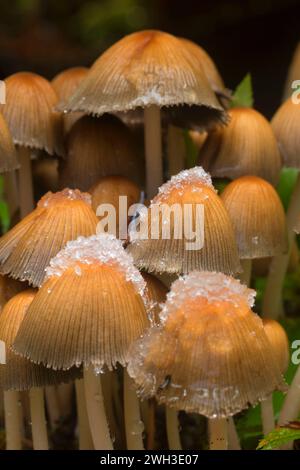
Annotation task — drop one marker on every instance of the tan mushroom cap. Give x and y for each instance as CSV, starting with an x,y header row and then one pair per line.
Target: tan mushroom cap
x,y
99,147
279,343
19,373
210,354
142,69
169,253
8,157
65,84
286,125
9,288
258,217
30,114
26,249
247,146
89,310
156,292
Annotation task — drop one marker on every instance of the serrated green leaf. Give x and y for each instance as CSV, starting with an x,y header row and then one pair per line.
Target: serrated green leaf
x,y
243,94
278,437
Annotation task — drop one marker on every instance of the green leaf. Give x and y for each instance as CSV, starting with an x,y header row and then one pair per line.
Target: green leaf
x,y
191,150
279,437
243,94
287,181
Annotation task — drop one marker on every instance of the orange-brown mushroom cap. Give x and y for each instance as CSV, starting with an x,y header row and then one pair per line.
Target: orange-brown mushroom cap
x,y
30,114
89,310
258,217
19,373
26,249
210,354
156,292
8,157
279,343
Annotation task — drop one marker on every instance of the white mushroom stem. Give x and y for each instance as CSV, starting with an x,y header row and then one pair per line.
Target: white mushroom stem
x,y
245,275
85,438
134,427
218,434
173,429
96,410
267,415
176,150
273,293
25,182
38,419
153,150
233,438
12,420
291,406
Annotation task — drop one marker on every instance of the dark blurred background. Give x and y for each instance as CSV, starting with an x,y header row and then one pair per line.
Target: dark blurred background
x,y
256,36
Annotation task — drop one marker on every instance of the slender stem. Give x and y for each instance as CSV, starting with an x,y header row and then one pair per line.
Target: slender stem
x,y
245,275
153,150
96,411
233,438
134,427
52,405
151,424
38,419
12,420
173,429
271,307
85,437
176,150
218,434
25,181
267,415
108,380
291,405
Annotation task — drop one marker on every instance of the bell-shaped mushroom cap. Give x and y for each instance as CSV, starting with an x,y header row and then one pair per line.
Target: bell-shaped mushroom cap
x,y
286,126
258,217
30,114
99,147
279,343
19,373
89,310
142,69
65,83
26,249
9,288
247,146
156,292
171,215
210,354
8,157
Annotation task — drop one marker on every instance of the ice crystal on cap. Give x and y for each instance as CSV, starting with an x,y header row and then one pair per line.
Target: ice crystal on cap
x,y
103,248
50,198
210,285
193,175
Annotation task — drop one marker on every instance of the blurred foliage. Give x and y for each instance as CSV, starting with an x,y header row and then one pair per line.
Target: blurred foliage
x,y
287,181
280,436
243,94
191,150
4,212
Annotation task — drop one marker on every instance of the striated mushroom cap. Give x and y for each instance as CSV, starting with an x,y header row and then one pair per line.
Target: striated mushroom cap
x,y
8,157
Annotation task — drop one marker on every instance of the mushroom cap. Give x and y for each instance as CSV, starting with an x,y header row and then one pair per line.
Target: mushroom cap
x,y
99,147
247,146
19,373
156,292
8,156
258,217
26,249
279,343
169,252
30,114
89,310
143,69
210,354
65,84
293,73
9,288
286,125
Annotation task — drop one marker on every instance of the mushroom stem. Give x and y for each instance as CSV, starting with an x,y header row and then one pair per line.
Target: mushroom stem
x,y
245,276
52,405
133,425
38,419
273,293
173,429
25,182
233,438
12,420
218,434
267,415
153,150
85,438
291,406
96,411
176,150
